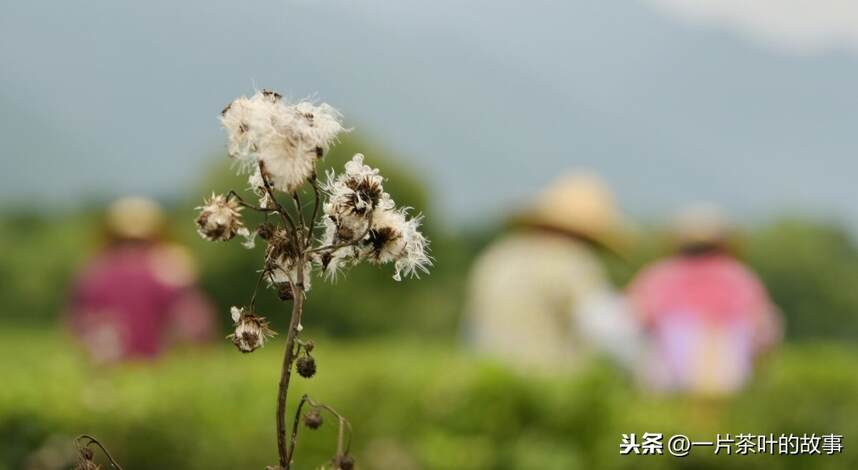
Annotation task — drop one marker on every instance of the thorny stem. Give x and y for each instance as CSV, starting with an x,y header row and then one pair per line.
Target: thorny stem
x,y
286,369
93,440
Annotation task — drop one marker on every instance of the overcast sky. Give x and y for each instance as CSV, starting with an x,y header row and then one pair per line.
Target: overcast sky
x,y
749,104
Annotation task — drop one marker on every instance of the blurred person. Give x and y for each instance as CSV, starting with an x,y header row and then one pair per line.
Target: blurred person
x,y
139,294
706,314
539,297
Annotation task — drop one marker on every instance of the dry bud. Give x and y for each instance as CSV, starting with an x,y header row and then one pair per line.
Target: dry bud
x,y
265,230
306,366
345,462
313,419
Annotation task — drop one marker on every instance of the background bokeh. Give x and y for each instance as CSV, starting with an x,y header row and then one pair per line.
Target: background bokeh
x,y
468,108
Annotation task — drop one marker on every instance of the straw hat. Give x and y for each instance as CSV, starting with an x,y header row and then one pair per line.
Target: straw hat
x,y
700,224
135,217
581,203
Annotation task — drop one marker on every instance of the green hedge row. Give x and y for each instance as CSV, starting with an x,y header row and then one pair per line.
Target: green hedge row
x,y
414,405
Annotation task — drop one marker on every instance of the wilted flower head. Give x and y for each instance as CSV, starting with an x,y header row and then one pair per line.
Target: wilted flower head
x,y
251,331
353,196
85,457
284,140
220,219
395,238
356,192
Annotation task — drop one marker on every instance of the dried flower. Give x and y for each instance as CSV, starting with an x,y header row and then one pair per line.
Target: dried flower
x,y
265,230
249,122
397,239
306,366
251,331
316,126
278,144
313,419
286,139
356,192
85,460
220,219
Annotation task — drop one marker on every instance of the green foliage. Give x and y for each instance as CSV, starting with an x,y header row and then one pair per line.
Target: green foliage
x,y
412,405
38,256
812,273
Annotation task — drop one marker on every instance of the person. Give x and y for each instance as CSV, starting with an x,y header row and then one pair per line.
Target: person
x,y
539,297
707,315
139,295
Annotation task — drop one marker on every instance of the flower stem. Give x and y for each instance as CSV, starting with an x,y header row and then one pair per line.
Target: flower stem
x,y
286,369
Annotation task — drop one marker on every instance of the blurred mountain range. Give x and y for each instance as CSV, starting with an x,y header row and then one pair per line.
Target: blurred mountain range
x,y
489,100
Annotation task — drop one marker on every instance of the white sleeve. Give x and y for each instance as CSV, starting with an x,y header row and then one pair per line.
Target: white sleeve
x,y
606,322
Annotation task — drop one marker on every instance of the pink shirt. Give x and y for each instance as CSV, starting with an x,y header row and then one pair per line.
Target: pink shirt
x,y
716,289
707,317
127,300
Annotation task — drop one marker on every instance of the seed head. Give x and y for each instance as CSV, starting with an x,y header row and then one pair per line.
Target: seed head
x,y
251,331
220,219
306,366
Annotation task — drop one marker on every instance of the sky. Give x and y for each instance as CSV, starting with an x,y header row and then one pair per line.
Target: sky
x,y
751,105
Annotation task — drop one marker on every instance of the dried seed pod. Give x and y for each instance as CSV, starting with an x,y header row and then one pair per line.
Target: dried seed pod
x,y
265,230
313,419
306,366
345,462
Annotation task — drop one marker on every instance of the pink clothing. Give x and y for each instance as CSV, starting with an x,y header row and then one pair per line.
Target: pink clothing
x,y
707,316
127,300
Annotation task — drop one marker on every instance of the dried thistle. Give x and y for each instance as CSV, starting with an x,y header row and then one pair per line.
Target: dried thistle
x,y
278,144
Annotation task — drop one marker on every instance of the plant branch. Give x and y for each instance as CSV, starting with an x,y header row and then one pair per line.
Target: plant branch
x,y
286,368
265,270
316,204
298,208
242,203
280,209
93,440
343,446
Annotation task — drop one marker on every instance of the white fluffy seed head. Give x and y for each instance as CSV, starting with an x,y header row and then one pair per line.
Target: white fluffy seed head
x,y
286,139
394,238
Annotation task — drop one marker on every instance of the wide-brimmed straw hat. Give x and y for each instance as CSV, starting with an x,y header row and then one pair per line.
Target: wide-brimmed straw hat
x,y
581,204
700,224
135,218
